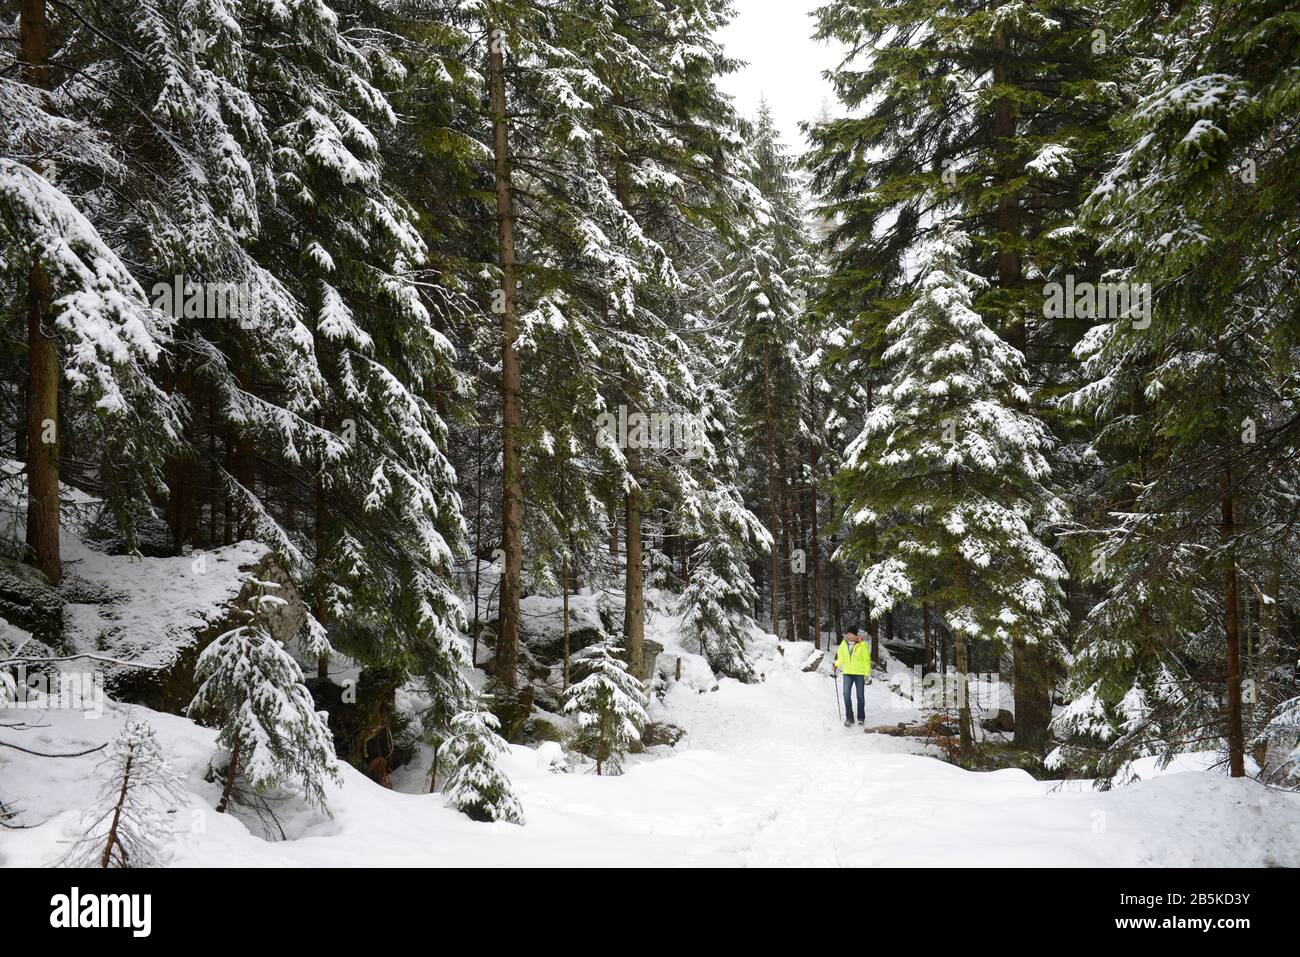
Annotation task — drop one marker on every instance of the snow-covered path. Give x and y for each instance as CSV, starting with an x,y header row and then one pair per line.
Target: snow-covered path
x,y
767,776
800,789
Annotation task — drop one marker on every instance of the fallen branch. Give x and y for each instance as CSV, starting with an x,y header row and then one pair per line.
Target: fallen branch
x,y
105,659
41,754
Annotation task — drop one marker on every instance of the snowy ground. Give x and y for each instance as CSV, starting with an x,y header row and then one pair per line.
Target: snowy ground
x,y
767,775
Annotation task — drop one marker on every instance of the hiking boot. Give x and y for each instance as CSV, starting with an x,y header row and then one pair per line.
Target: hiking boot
x,y
861,722
848,724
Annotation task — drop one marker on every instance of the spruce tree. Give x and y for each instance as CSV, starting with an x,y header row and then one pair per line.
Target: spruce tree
x,y
954,459
608,705
475,786
252,689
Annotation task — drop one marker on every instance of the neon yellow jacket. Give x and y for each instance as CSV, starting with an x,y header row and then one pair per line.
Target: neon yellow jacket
x,y
856,661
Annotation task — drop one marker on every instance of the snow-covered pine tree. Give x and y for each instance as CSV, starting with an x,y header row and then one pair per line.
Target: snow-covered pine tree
x,y
252,690
621,171
475,785
953,459
87,319
717,607
608,704
129,823
1194,399
954,111
765,303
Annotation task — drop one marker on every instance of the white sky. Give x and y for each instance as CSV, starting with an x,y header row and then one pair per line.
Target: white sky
x,y
785,65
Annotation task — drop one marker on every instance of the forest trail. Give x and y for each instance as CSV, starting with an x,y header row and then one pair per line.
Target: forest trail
x,y
767,775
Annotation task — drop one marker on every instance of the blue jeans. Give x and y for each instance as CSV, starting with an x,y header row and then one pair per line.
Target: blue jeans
x,y
851,682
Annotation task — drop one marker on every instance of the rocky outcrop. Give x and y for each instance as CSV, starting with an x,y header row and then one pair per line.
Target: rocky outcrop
x,y
28,601
171,686
645,668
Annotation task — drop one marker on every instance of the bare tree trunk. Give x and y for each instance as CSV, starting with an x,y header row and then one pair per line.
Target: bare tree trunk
x,y
512,492
107,857
43,428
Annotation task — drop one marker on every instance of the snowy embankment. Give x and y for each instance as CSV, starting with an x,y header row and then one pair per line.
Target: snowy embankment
x,y
766,775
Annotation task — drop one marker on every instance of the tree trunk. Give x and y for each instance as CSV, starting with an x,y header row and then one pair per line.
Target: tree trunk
x,y
787,527
478,538
182,484
42,431
962,653
814,454
512,492
113,839
873,629
214,472
805,580
1232,628
927,661
634,585
321,609
1032,692
231,773
564,591
246,461
42,348
772,520
965,729
634,580
1031,669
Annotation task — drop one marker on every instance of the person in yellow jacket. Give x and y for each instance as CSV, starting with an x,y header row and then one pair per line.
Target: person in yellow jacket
x,y
853,661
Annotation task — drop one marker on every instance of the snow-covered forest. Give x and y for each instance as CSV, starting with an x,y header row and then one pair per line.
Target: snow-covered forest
x,y
456,432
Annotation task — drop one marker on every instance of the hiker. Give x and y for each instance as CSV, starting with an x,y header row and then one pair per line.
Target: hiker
x,y
853,660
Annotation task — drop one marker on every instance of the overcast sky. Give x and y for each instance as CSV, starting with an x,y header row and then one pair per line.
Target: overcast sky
x,y
785,66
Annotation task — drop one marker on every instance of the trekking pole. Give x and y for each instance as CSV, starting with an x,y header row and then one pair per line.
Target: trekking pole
x,y
835,687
